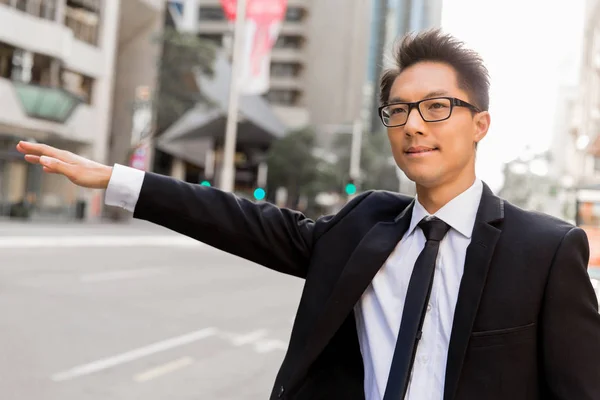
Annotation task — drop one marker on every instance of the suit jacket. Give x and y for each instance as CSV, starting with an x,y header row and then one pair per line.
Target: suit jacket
x,y
526,324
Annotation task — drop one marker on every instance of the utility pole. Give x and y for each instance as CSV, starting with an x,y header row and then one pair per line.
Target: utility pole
x,y
228,168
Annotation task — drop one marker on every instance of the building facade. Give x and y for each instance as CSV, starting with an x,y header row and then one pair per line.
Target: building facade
x,y
56,80
68,75
392,19
318,62
585,131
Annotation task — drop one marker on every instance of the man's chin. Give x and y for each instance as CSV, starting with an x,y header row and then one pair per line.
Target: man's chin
x,y
422,179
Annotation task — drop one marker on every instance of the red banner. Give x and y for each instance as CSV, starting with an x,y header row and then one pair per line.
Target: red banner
x,y
263,22
262,10
229,8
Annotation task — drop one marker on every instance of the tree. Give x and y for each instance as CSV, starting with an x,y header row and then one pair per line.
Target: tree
x,y
529,184
295,163
184,54
378,170
292,164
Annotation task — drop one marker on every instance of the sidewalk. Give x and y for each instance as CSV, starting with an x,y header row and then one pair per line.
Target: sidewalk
x,y
41,227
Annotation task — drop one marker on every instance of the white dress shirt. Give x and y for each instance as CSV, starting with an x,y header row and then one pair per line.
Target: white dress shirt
x,y
124,187
379,311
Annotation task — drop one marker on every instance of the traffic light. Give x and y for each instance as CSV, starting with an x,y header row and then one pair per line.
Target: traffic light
x,y
350,188
205,183
259,193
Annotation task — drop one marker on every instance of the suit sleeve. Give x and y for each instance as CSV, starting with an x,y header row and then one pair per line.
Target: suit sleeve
x,y
571,324
277,238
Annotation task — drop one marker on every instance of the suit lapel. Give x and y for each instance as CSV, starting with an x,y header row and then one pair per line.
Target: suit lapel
x,y
368,257
477,262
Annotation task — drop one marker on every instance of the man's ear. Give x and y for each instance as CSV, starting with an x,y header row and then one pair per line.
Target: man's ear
x,y
482,122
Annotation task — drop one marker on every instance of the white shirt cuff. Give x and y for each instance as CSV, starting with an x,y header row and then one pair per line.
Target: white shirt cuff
x,y
124,187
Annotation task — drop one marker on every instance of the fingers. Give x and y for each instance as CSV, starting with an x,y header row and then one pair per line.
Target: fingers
x,y
31,148
32,159
54,165
36,160
39,149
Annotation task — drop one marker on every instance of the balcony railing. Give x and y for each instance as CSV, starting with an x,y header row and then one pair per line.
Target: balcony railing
x,y
52,104
45,9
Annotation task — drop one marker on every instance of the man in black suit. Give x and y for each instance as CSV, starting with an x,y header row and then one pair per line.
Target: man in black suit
x,y
456,294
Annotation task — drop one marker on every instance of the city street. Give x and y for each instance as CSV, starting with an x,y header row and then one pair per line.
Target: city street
x,y
135,312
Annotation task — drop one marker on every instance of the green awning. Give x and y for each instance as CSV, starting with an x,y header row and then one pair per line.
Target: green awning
x,y
52,104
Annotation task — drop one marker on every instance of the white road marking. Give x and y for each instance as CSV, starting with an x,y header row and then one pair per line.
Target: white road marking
x,y
258,340
163,369
123,274
248,338
266,346
26,242
132,355
240,339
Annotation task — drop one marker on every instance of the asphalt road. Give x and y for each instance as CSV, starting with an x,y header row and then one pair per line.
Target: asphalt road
x,y
135,312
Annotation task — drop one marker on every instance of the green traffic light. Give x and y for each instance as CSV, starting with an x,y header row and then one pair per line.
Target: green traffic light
x,y
350,189
259,193
205,183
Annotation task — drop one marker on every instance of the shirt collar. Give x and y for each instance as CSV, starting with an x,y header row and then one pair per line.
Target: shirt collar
x,y
459,213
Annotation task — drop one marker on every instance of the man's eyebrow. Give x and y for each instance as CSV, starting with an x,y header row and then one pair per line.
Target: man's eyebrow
x,y
434,93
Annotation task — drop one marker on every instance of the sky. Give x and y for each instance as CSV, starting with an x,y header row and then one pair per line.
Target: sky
x,y
530,47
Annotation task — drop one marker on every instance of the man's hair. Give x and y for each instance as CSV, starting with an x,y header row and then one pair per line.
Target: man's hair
x,y
433,45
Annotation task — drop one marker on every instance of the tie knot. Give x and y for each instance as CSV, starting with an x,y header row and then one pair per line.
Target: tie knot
x,y
434,228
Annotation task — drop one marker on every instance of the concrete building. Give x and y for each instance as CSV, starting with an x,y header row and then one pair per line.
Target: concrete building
x,y
56,80
392,19
586,119
136,72
317,74
59,75
584,162
318,62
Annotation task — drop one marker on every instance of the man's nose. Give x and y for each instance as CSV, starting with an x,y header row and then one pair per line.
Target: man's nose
x,y
414,123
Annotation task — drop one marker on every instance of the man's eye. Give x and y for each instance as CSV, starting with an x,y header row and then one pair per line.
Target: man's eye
x,y
437,106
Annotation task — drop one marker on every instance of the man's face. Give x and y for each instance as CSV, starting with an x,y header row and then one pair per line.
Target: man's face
x,y
435,153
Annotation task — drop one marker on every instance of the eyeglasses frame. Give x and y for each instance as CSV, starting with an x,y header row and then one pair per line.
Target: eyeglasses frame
x,y
454,102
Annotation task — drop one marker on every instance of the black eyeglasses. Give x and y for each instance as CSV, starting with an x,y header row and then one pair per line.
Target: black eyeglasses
x,y
431,110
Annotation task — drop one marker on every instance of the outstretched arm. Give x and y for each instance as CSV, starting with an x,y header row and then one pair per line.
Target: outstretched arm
x,y
279,239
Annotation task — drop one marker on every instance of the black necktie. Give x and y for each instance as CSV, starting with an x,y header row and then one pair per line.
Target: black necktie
x,y
415,306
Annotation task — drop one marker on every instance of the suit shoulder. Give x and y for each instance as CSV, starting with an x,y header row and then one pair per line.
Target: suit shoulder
x,y
378,204
384,200
535,222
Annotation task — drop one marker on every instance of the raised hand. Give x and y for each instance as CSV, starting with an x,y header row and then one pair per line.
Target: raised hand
x,y
79,170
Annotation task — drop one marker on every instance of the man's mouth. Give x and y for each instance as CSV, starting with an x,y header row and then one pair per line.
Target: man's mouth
x,y
420,150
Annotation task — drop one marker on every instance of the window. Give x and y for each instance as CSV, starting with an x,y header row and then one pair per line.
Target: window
x,y
6,60
83,18
289,42
281,69
41,70
27,67
211,14
294,14
216,39
22,64
40,8
77,84
596,164
283,97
